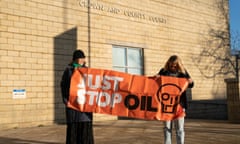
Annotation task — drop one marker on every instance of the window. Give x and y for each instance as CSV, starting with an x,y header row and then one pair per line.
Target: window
x,y
127,59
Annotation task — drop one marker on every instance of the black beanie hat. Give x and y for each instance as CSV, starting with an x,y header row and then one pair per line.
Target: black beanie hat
x,y
78,54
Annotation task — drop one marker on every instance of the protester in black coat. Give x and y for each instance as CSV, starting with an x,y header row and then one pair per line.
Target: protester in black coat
x,y
174,67
79,124
183,98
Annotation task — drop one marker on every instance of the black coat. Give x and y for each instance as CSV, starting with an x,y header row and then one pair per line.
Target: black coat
x,y
71,114
183,98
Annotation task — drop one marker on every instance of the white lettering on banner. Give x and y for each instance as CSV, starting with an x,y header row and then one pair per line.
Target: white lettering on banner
x,y
107,99
103,99
90,82
115,80
106,84
92,94
116,98
81,91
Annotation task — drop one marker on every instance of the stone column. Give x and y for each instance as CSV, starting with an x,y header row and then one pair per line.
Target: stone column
x,y
233,100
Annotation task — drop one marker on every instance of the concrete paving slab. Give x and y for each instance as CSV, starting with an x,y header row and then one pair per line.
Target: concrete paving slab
x,y
129,132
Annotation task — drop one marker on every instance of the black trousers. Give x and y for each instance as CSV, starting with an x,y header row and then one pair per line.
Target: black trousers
x,y
79,133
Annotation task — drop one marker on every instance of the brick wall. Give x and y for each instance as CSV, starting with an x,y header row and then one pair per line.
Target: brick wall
x,y
208,109
38,37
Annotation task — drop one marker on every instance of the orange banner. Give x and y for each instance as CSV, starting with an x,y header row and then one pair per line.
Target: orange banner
x,y
122,94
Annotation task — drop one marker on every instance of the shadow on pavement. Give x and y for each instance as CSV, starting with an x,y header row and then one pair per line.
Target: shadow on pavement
x,y
6,140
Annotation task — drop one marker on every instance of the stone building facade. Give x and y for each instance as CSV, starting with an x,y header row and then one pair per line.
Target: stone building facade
x,y
39,36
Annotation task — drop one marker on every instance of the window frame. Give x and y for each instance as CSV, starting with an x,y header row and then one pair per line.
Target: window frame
x,y
126,67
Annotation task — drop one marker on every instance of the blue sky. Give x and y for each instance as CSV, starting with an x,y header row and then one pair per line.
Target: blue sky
x,y
234,6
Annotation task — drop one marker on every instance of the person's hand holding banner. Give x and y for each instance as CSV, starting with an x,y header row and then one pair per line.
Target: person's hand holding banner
x,y
122,94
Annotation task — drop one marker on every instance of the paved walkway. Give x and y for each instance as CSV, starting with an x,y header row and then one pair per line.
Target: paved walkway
x,y
129,132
